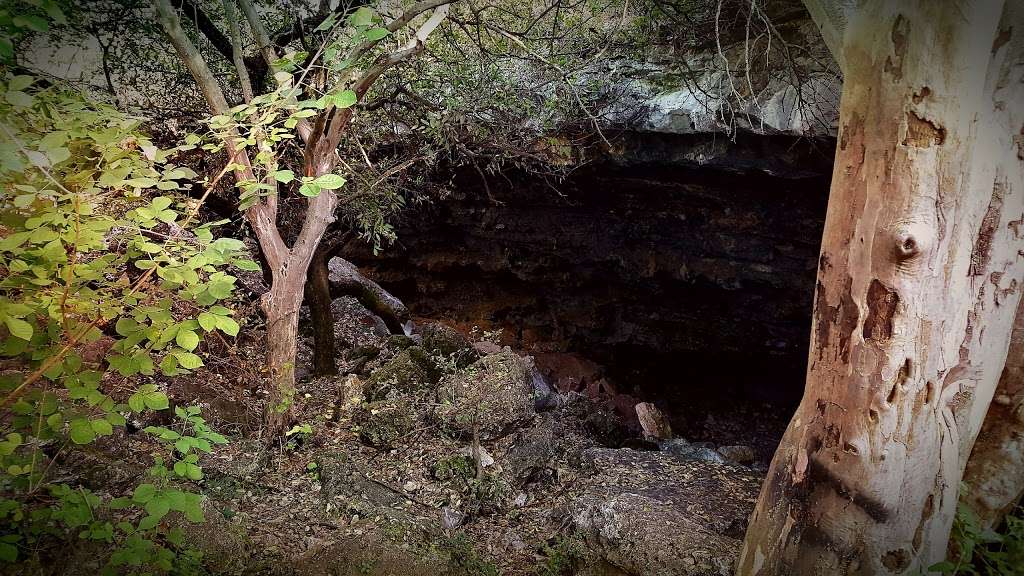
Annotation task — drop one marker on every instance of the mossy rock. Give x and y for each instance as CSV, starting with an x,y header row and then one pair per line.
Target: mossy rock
x,y
400,341
383,423
443,340
411,371
495,391
363,351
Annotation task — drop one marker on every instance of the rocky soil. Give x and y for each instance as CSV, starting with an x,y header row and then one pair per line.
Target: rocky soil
x,y
441,453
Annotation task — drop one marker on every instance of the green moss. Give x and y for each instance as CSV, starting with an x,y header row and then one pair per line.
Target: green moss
x,y
409,372
382,424
459,467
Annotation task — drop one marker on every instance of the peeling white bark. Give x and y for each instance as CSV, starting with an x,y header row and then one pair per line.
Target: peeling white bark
x,y
918,281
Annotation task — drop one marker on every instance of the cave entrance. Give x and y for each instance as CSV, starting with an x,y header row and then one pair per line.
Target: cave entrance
x,y
650,278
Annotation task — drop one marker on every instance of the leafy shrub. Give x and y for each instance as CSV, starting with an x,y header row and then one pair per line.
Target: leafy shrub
x,y
562,558
101,272
464,560
985,552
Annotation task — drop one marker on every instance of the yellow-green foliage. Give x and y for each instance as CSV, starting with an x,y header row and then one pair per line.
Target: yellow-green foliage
x,y
96,253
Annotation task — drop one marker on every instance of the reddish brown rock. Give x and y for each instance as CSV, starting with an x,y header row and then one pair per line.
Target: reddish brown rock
x,y
653,422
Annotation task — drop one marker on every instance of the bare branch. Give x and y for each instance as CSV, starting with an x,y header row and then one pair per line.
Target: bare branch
x,y
259,32
236,49
259,216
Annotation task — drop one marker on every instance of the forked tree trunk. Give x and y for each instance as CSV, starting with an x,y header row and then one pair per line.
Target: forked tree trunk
x,y
288,265
918,281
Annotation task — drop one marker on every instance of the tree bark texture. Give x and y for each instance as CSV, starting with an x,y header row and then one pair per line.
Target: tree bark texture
x,y
918,281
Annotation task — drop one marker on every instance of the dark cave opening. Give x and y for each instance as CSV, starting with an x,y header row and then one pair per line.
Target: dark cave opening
x,y
648,278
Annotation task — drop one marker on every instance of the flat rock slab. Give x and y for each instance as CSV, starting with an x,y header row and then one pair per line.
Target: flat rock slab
x,y
656,514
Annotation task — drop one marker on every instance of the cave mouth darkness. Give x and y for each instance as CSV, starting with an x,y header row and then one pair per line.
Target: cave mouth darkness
x,y
645,278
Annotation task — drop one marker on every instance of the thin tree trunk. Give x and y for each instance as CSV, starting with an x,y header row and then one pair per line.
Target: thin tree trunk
x,y
918,280
318,294
237,57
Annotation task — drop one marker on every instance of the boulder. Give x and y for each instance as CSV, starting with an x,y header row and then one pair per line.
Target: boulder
x,y
384,423
545,398
655,514
556,440
567,371
486,347
343,482
355,324
443,340
411,371
653,422
495,391
701,451
401,341
739,454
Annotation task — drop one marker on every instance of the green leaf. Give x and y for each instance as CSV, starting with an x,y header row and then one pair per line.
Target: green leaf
x,y
188,360
309,189
161,203
344,99
158,507
102,427
187,339
136,402
18,98
207,321
284,176
20,82
141,182
19,328
374,34
327,23
58,155
32,22
329,181
156,401
363,16
8,553
148,523
126,326
169,366
227,325
144,493
183,445
247,265
82,432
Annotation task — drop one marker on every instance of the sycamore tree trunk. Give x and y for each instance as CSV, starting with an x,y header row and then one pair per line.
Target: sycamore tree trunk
x,y
918,281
